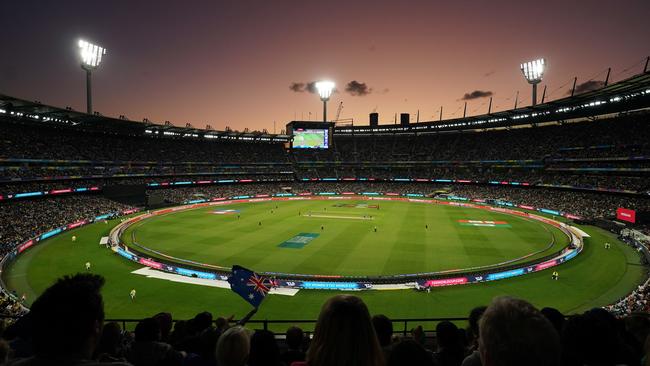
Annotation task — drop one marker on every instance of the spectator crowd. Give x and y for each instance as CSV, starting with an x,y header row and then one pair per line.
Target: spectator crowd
x,y
583,204
66,327
611,153
22,220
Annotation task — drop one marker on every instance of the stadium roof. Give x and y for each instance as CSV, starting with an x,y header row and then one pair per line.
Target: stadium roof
x,y
37,112
626,95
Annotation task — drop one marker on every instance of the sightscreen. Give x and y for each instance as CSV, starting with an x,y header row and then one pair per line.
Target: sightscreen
x,y
130,194
310,138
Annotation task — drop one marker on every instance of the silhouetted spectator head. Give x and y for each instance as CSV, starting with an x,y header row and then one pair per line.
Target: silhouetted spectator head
x,y
293,353
294,338
409,352
447,335
474,317
344,335
555,317
222,323
512,333
418,335
111,339
264,350
383,328
202,321
67,318
179,333
593,339
147,330
233,347
165,323
450,346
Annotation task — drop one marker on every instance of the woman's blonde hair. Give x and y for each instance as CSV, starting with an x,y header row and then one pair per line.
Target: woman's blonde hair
x,y
344,335
233,347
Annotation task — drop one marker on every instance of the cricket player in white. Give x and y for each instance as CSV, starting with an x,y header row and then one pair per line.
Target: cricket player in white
x,y
74,238
132,294
87,266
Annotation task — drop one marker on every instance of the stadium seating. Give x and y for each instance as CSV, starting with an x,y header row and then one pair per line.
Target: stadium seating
x,y
608,154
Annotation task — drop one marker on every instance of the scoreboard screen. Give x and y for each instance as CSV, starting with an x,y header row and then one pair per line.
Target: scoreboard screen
x,y
310,138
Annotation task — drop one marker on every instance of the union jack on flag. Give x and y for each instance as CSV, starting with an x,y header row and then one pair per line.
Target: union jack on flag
x,y
259,283
249,285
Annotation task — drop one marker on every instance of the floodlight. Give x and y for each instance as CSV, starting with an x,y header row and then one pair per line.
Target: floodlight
x,y
325,89
91,57
533,72
91,54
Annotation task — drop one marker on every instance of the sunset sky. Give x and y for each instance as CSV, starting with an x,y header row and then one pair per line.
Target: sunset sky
x,y
232,63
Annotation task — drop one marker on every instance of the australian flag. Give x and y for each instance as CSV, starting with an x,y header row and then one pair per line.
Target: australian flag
x,y
249,285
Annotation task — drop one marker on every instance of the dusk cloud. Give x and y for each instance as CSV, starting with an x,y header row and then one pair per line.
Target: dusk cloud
x,y
476,94
297,87
300,87
357,88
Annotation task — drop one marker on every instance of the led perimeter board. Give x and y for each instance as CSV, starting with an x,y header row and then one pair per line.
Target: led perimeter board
x,y
310,135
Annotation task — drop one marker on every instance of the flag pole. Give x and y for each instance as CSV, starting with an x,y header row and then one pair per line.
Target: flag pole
x,y
248,316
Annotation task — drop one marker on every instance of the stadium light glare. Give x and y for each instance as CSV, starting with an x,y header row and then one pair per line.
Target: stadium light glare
x,y
325,89
91,54
533,72
91,57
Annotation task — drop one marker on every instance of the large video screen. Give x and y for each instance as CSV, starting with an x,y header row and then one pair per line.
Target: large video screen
x,y
626,214
310,138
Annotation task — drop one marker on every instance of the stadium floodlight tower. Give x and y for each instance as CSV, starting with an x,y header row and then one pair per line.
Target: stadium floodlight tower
x,y
325,89
533,72
91,57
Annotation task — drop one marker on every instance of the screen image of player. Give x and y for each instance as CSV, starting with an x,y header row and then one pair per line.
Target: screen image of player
x,y
310,139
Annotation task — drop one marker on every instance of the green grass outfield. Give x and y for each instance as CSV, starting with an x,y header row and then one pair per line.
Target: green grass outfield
x,y
595,278
345,241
